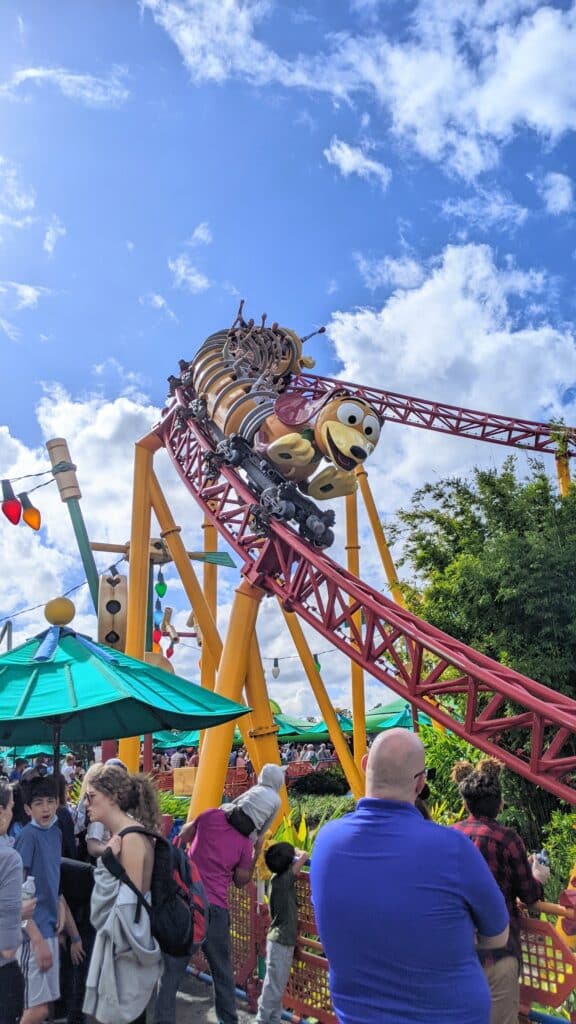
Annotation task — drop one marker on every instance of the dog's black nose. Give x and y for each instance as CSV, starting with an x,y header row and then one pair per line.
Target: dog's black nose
x,y
358,452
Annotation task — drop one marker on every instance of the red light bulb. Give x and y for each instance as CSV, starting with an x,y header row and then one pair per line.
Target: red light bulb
x,y
11,507
156,636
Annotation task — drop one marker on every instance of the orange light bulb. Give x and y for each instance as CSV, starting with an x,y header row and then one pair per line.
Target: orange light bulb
x,y
30,514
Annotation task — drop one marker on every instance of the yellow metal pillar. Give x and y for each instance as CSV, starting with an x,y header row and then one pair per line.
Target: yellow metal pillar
x,y
210,587
354,776
563,474
263,732
357,674
381,542
232,671
129,748
171,534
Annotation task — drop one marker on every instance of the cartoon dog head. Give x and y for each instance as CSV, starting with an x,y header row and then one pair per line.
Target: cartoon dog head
x,y
347,431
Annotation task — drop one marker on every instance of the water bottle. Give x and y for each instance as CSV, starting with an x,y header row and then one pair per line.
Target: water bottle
x,y
28,892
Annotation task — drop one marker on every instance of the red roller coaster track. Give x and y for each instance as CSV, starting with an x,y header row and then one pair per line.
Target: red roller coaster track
x,y
523,723
449,419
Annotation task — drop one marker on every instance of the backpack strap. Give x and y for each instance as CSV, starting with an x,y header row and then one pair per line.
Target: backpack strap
x,y
111,862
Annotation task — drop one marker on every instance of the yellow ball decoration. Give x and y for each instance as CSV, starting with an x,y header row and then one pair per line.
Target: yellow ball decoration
x,y
59,612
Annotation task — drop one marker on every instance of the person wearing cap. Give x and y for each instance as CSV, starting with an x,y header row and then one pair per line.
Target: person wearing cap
x,y
519,878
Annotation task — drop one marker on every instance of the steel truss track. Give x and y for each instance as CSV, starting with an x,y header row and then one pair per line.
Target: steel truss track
x,y
528,726
449,419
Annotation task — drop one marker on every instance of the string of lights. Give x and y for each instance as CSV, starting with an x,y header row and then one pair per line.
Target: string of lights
x,y
77,586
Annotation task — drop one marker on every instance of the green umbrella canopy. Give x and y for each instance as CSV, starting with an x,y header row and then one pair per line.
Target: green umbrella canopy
x,y
61,679
170,740
34,751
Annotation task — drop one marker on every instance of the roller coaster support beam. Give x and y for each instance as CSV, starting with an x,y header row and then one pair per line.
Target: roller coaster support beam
x,y
210,588
357,673
129,748
354,776
379,537
563,474
170,532
263,729
232,670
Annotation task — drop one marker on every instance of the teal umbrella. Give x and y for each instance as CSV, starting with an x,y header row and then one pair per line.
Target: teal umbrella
x,y
62,686
403,719
34,751
169,740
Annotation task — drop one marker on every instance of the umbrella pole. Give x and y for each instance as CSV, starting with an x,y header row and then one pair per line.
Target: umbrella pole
x,y
57,735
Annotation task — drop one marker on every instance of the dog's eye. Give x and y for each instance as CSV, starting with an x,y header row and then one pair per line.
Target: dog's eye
x,y
371,428
350,413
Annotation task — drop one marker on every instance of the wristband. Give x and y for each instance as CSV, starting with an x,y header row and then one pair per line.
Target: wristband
x,y
75,938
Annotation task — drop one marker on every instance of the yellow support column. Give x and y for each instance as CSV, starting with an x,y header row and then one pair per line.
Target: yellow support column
x,y
129,748
563,474
381,542
171,534
357,674
264,731
354,776
384,551
210,587
232,671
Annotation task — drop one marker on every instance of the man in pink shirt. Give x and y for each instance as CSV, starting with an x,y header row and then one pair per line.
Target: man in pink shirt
x,y
223,856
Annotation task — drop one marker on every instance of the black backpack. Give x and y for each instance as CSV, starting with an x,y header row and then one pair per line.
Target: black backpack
x,y
178,902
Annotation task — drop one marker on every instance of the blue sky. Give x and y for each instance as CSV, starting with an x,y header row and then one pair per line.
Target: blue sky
x,y
402,172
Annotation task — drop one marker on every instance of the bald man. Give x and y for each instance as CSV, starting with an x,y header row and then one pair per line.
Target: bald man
x,y
400,903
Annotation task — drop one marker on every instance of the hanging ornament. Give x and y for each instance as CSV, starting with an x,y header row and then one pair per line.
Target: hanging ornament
x,y
317,663
160,587
169,651
275,668
156,636
11,507
30,514
156,648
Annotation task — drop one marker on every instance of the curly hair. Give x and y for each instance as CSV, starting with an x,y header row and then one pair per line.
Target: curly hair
x,y
479,786
134,794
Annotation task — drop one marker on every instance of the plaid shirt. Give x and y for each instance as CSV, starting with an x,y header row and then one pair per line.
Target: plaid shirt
x,y
505,854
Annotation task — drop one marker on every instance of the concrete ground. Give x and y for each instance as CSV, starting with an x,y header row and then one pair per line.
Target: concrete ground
x,y
196,1006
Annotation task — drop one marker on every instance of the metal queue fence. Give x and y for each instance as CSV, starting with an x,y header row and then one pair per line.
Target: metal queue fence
x,y
548,964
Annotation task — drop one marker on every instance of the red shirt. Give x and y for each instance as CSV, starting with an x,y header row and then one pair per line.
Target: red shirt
x,y
217,850
505,854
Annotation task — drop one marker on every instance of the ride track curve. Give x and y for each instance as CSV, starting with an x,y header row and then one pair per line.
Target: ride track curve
x,y
526,725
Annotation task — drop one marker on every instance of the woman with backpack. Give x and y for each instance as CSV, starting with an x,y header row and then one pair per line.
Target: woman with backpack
x,y
126,961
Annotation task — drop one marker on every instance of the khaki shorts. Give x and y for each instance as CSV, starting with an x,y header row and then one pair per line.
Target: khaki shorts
x,y
39,986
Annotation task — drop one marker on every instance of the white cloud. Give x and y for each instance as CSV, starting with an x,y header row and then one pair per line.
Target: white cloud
x,y
16,197
9,330
557,192
156,301
390,273
94,90
465,77
352,160
187,276
487,209
201,235
54,231
130,246
24,296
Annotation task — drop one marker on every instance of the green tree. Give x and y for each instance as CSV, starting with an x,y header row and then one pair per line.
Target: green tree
x,y
495,566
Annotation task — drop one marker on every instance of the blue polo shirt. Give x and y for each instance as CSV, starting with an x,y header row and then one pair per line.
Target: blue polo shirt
x,y
397,901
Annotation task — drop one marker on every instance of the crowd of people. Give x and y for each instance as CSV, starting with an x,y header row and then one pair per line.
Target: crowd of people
x,y
419,922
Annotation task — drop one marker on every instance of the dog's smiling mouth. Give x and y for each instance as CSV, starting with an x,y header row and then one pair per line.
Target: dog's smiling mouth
x,y
343,461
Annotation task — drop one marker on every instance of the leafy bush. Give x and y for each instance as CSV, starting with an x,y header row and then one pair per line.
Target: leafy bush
x,y
177,806
560,841
317,808
328,780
